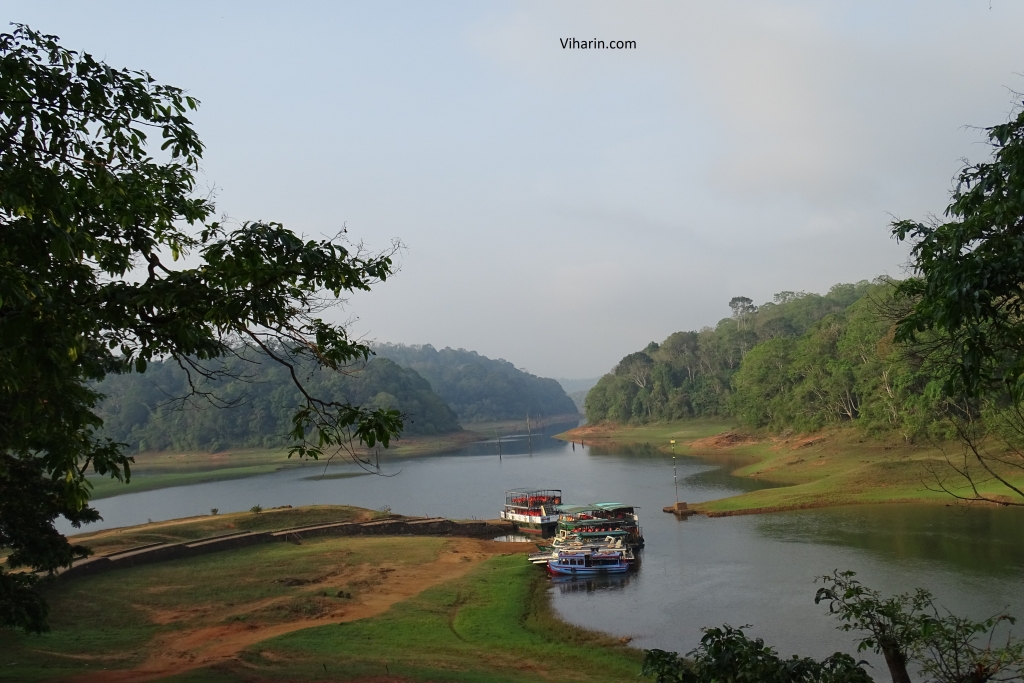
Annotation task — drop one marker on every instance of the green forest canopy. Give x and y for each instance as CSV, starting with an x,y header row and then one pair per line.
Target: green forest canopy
x,y
253,405
801,361
481,389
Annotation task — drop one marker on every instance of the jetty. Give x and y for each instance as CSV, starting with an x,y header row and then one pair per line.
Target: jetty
x,y
679,509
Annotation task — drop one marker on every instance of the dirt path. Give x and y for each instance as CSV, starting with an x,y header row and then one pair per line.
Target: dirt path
x,y
191,649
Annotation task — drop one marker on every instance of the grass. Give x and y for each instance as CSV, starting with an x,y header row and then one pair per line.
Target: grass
x,y
831,467
190,529
495,626
109,620
492,624
683,431
840,468
164,469
336,475
107,488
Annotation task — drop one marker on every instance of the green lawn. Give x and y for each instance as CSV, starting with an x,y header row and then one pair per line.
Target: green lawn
x,y
492,624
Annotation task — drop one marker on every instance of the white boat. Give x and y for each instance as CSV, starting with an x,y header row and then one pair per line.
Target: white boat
x,y
588,561
533,510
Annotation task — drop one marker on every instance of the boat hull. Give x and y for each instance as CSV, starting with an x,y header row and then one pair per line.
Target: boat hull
x,y
532,524
586,571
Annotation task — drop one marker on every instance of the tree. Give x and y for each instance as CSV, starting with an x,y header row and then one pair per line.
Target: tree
x,y
911,629
893,624
85,201
908,630
727,655
742,308
637,367
967,307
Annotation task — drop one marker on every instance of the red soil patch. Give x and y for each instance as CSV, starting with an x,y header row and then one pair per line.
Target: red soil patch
x,y
598,431
726,440
189,649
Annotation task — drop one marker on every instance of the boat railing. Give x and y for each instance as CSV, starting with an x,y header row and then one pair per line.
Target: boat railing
x,y
533,499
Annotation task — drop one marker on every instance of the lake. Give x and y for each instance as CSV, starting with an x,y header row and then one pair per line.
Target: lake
x,y
756,569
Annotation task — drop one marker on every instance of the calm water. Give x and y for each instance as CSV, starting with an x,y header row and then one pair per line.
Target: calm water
x,y
756,570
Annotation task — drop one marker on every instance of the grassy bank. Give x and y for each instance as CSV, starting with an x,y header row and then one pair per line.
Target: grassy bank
x,y
494,625
831,467
164,469
157,470
657,434
192,528
391,609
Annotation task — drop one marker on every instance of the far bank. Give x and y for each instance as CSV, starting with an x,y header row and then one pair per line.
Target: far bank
x,y
826,468
163,469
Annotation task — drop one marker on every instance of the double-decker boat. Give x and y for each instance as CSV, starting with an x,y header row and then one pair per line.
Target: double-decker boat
x,y
586,523
533,510
611,538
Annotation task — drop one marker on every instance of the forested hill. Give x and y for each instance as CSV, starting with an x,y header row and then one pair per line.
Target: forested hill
x,y
801,361
255,409
479,388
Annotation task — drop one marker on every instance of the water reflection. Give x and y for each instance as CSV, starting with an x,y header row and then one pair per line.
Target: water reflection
x,y
981,540
698,472
567,585
516,538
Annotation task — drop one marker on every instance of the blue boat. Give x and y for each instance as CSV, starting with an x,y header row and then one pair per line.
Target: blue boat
x,y
589,561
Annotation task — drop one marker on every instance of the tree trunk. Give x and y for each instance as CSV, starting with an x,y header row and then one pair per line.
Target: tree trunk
x,y
897,664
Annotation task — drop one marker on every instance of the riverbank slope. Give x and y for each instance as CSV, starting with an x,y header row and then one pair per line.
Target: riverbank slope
x,y
830,467
353,608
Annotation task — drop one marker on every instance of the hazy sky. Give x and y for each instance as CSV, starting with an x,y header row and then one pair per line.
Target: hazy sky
x,y
562,207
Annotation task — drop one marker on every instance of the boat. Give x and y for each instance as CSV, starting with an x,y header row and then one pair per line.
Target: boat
x,y
533,511
610,538
584,523
550,552
589,561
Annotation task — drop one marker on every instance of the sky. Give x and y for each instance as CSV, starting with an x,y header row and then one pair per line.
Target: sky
x,y
561,208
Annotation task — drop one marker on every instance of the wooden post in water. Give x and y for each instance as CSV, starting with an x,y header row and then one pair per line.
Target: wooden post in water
x,y
675,479
499,443
529,433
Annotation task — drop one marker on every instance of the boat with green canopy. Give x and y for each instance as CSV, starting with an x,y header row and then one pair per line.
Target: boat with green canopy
x,y
592,522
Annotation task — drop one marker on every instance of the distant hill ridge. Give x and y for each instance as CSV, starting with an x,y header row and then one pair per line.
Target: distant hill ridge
x,y
478,388
254,401
254,404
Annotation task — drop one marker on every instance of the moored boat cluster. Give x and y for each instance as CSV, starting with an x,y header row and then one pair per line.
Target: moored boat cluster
x,y
595,538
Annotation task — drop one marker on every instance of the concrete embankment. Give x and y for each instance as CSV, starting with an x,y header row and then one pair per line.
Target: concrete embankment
x,y
163,552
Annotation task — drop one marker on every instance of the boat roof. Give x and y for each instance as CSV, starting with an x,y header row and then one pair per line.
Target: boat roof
x,y
591,550
527,491
604,507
